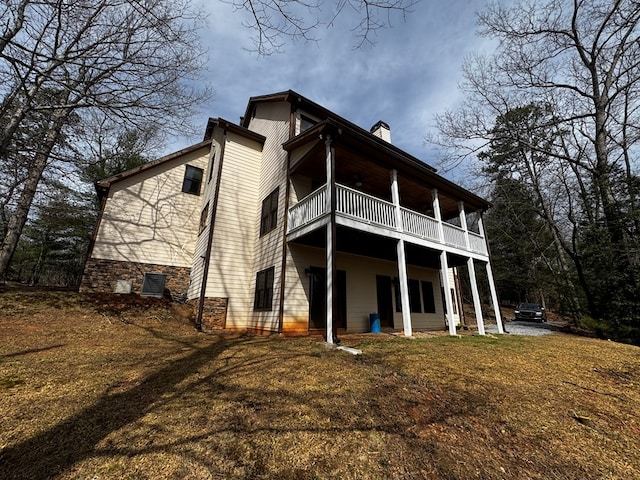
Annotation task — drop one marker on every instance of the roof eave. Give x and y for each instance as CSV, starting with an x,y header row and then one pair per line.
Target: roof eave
x,y
107,182
232,127
332,127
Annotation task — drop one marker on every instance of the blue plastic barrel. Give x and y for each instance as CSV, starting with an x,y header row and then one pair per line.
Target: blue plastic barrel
x,y
374,322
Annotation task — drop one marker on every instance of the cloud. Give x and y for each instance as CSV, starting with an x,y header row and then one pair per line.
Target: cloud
x,y
410,74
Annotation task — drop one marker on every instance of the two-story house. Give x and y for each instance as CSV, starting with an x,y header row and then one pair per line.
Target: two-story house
x,y
266,223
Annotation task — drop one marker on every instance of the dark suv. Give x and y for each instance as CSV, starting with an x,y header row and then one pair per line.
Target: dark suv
x,y
531,312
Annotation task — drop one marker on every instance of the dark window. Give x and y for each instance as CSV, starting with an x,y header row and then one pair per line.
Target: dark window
x,y
153,285
269,216
306,123
428,298
455,301
264,290
204,215
213,160
414,296
192,180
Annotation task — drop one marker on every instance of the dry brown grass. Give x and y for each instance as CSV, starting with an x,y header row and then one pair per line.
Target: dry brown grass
x,y
92,387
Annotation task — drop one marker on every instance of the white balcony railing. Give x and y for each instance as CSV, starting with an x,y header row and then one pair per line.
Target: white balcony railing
x,y
365,208
477,243
454,236
420,225
375,211
308,209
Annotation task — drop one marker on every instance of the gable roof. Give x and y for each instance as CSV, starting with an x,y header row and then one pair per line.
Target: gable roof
x,y
232,127
102,186
324,114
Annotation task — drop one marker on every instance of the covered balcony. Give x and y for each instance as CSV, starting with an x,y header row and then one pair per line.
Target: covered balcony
x,y
350,191
365,212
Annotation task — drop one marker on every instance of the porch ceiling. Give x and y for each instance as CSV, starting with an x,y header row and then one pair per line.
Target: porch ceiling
x,y
366,244
368,166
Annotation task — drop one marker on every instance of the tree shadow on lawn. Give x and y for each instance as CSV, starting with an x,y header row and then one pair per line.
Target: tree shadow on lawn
x,y
260,413
53,451
31,350
419,418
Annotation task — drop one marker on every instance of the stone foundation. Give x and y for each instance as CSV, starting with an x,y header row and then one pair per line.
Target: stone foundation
x,y
214,313
101,275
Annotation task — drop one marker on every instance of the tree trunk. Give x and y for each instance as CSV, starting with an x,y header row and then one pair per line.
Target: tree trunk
x,y
19,216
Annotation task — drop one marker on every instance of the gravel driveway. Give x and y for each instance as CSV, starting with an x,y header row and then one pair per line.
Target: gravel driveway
x,y
530,329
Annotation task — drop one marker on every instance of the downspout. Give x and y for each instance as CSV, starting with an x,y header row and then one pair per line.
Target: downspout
x,y
212,219
283,268
287,191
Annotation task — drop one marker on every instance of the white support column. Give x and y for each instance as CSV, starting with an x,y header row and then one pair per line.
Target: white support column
x,y
404,290
402,260
330,254
492,285
395,198
463,224
437,214
448,300
476,296
494,299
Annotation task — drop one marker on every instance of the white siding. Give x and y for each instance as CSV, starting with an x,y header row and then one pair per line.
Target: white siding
x,y
272,121
361,290
197,266
454,296
148,219
296,305
231,271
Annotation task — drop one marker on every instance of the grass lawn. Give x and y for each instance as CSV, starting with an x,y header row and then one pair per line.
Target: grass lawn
x,y
95,388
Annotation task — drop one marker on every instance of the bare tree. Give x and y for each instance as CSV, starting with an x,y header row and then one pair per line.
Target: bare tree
x,y
276,21
581,59
135,61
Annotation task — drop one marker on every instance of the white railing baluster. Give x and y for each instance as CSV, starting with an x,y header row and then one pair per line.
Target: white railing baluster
x,y
420,225
365,208
454,235
477,243
375,211
309,208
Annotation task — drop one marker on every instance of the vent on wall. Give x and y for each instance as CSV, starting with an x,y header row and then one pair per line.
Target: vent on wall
x,y
123,286
153,285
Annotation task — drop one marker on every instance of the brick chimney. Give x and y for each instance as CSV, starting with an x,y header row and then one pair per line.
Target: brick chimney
x,y
382,130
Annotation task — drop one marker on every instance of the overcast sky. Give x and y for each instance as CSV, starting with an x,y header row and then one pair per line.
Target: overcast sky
x,y
410,74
